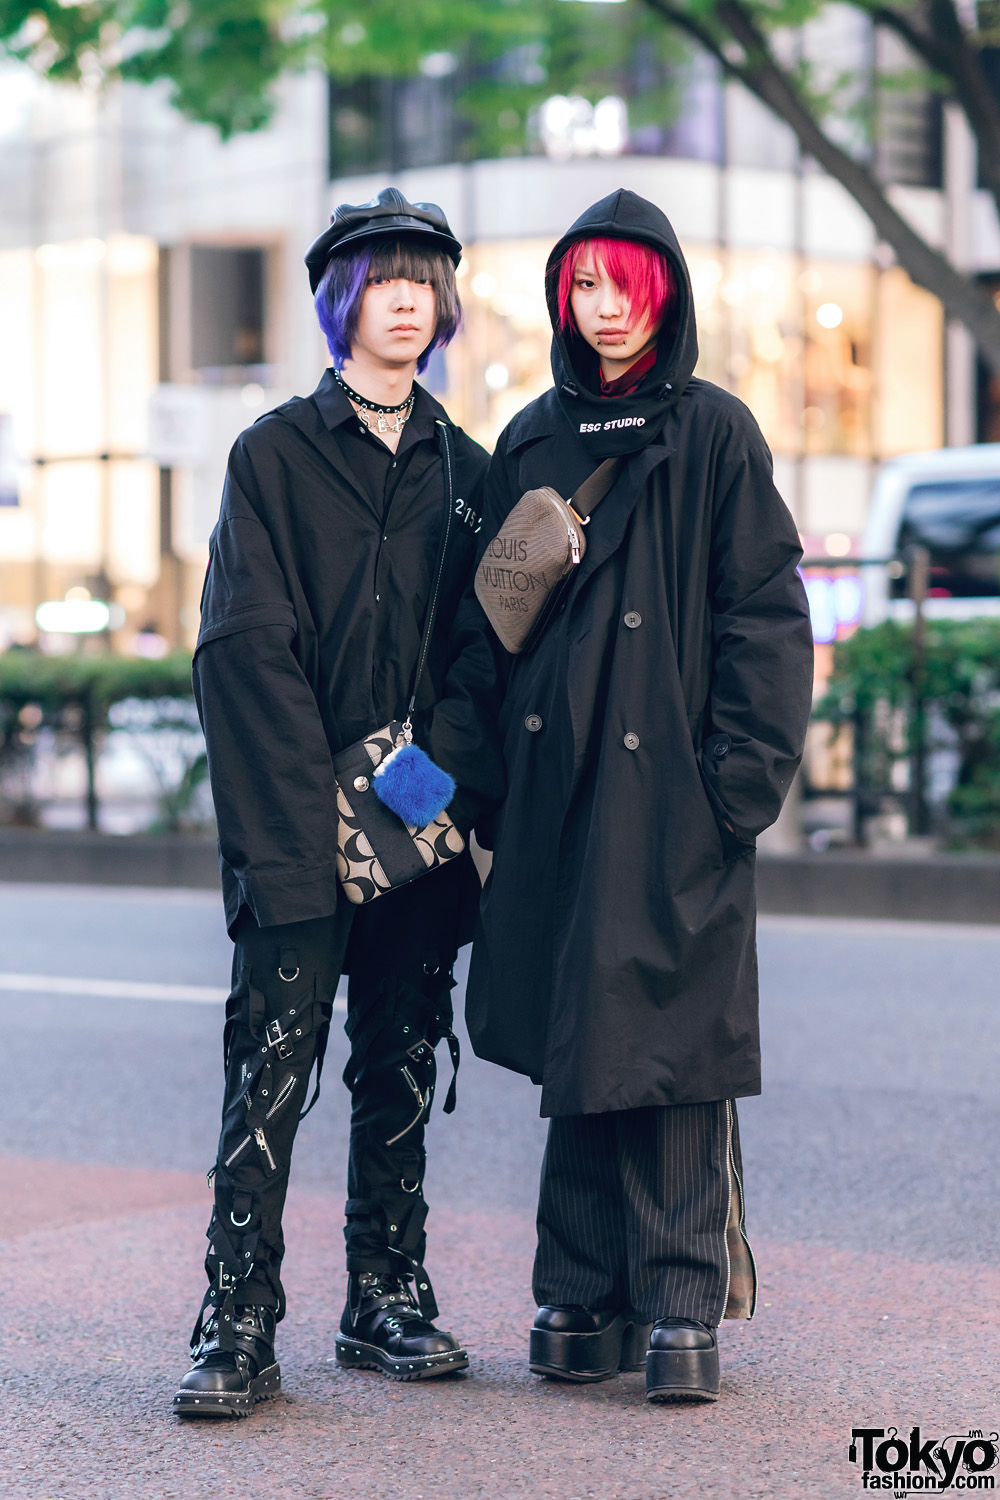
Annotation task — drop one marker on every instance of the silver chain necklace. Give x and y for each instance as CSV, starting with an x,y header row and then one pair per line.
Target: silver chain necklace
x,y
386,418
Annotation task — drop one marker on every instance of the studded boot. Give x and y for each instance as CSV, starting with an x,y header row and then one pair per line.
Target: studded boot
x,y
229,1383
383,1329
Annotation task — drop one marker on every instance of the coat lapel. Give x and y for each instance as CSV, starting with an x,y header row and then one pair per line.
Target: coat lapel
x,y
551,454
607,530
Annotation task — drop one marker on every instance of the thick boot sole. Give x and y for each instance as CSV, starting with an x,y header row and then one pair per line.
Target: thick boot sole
x,y
682,1375
584,1358
355,1355
229,1403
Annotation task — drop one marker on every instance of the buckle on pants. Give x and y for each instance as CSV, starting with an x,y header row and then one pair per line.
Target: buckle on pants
x,y
279,1039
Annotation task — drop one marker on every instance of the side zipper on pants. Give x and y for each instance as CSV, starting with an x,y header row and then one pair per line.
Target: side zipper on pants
x,y
742,1244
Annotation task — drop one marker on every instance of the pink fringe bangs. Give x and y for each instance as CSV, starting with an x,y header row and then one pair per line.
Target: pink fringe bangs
x,y
638,269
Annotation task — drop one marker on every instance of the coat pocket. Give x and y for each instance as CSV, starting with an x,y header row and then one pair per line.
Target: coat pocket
x,y
715,748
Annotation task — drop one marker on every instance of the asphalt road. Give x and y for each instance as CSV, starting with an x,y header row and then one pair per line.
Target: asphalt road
x,y
873,1209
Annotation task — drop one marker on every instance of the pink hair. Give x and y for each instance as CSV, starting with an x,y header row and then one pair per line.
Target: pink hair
x,y
637,269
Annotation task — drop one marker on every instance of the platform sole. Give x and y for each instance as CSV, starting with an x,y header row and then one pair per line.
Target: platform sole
x,y
229,1403
586,1358
352,1354
682,1375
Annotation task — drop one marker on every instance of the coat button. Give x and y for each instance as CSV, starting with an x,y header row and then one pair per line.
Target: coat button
x,y
631,741
633,619
533,723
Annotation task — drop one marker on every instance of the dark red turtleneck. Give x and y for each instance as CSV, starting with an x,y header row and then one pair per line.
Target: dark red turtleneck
x,y
625,384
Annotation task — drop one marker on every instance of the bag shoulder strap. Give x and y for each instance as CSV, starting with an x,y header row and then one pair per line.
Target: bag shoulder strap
x,y
444,443
594,488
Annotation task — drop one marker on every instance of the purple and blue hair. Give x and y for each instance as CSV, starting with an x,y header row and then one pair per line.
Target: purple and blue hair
x,y
343,284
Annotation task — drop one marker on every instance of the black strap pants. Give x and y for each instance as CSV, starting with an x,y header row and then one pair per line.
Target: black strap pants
x,y
641,1210
277,1022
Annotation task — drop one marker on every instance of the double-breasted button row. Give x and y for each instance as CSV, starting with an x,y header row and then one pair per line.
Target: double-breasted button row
x,y
533,723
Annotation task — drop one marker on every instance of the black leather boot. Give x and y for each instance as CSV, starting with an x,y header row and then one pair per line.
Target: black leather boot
x,y
683,1361
223,1383
574,1343
383,1329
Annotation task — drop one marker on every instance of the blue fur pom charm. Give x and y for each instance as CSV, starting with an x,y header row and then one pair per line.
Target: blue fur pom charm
x,y
409,784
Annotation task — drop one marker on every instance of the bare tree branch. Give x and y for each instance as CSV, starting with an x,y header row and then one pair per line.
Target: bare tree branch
x,y
752,62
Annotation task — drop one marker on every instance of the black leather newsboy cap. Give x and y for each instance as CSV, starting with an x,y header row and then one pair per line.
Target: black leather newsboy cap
x,y
386,216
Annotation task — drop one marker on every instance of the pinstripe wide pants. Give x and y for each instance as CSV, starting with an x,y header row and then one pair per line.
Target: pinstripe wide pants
x,y
642,1210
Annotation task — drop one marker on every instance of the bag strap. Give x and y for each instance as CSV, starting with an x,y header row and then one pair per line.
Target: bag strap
x,y
594,488
444,443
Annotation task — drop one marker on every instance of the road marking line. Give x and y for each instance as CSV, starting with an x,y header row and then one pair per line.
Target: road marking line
x,y
112,989
122,989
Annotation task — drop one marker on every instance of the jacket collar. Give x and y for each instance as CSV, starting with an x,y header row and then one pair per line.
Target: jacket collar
x,y
540,418
319,418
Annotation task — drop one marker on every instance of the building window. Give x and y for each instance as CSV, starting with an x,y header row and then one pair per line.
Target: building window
x,y
389,124
908,119
228,308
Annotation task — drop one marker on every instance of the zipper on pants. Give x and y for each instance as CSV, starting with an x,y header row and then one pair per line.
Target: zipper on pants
x,y
736,1192
261,1140
421,1100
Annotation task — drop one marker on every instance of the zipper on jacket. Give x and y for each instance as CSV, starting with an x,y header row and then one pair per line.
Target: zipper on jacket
x,y
443,550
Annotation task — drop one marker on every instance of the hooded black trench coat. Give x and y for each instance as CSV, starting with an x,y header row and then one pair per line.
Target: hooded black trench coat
x,y
615,961
312,614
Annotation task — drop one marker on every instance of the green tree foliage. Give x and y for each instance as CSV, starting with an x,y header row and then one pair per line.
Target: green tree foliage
x,y
53,681
872,682
222,57
74,695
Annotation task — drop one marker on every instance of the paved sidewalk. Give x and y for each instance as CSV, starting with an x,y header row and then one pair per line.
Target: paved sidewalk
x,y
93,1340
873,1211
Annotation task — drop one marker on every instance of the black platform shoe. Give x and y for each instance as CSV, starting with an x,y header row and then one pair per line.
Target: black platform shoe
x,y
683,1361
383,1329
221,1383
573,1343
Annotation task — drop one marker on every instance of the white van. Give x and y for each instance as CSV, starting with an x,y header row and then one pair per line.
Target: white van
x,y
949,502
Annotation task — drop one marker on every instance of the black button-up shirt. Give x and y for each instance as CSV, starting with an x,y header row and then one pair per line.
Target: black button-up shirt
x,y
321,570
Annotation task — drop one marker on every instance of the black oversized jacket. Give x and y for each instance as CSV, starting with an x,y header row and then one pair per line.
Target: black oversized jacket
x,y
312,613
648,739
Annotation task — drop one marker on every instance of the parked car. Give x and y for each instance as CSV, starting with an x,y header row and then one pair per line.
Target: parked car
x,y
949,502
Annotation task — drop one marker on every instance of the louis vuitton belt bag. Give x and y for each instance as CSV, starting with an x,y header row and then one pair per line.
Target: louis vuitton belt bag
x,y
519,580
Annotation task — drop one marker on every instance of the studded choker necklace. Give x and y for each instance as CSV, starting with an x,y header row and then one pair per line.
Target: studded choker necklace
x,y
376,418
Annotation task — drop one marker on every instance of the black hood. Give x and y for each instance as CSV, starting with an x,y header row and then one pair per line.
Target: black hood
x,y
636,419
